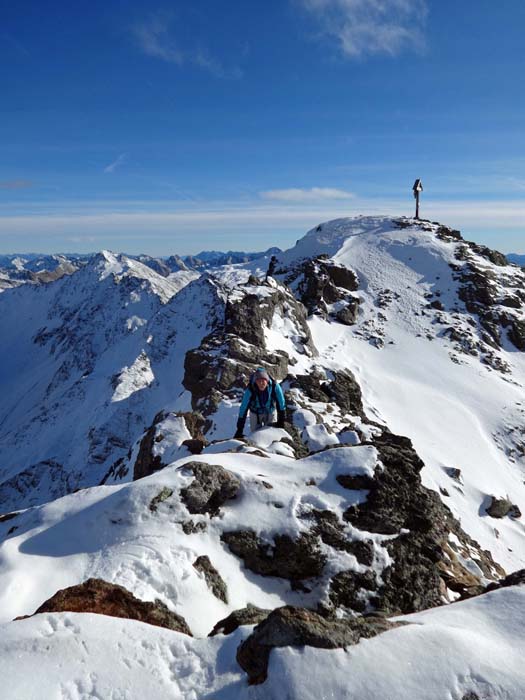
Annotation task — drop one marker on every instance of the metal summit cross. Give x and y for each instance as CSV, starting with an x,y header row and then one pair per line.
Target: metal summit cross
x,y
418,187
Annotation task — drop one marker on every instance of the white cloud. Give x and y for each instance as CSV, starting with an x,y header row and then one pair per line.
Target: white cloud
x,y
116,163
154,38
363,27
314,194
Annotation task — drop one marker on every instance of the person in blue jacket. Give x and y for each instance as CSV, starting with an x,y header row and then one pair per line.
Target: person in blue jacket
x,y
262,396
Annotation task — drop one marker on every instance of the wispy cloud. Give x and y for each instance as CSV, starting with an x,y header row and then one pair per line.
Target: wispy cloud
x,y
365,27
155,37
15,184
314,194
120,160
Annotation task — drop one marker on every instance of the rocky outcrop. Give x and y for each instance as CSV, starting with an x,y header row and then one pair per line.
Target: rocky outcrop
x,y
342,389
212,577
103,598
295,560
211,488
147,463
517,578
222,364
162,496
424,564
292,626
250,615
319,282
149,458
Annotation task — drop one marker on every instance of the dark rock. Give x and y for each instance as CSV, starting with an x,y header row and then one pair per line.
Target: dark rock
x,y
213,579
292,626
511,302
349,313
189,527
295,560
454,473
500,507
355,482
436,304
212,487
423,563
147,463
517,578
347,587
250,615
471,695
103,598
516,333
195,446
342,390
331,531
164,494
8,516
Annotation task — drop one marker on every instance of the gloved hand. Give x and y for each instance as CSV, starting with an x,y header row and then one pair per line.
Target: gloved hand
x,y
240,427
280,419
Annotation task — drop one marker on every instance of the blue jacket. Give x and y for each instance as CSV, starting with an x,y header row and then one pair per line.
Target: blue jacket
x,y
262,401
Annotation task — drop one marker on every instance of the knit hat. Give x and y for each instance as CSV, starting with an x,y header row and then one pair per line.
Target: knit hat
x,y
261,373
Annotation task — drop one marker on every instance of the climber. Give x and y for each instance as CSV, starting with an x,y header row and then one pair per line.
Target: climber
x,y
260,397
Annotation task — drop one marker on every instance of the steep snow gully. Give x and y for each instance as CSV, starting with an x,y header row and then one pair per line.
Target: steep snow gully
x,y
374,547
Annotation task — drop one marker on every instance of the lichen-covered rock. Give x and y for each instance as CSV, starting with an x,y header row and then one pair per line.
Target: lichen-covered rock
x,y
212,577
293,626
162,496
103,598
211,488
295,560
250,615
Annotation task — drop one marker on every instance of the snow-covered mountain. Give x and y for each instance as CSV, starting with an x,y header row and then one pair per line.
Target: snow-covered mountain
x,y
396,487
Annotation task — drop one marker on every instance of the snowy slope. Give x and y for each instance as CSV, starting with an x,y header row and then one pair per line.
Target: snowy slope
x,y
460,414
97,368
79,362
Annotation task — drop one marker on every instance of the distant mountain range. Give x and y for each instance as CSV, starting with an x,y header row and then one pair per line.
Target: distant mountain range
x,y
18,268
515,258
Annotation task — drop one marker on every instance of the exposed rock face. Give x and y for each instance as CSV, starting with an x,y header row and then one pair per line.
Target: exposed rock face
x,y
213,579
223,362
147,463
98,596
517,578
292,626
295,560
425,564
319,282
343,390
500,507
212,487
250,615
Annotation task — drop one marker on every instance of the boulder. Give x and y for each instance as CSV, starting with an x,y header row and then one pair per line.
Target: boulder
x,y
212,487
212,577
293,626
500,507
250,615
295,560
103,598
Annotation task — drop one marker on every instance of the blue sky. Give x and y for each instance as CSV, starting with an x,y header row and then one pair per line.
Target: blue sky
x,y
176,127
